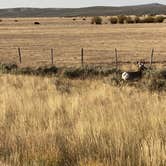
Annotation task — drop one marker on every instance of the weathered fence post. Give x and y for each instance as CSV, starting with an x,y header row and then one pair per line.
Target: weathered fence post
x,y
82,57
151,57
116,58
52,56
19,55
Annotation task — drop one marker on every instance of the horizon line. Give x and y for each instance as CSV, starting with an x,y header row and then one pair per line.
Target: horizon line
x,y
29,7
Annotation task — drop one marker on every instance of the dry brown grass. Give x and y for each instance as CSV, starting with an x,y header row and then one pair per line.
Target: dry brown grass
x,y
84,123
68,37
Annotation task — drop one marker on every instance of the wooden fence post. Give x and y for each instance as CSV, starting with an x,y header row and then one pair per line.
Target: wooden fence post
x,y
19,55
52,56
151,57
116,58
82,57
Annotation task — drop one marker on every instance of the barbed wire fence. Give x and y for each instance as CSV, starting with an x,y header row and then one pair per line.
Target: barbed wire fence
x,y
112,58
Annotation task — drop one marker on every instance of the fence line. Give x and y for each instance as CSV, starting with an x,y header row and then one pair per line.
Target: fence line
x,y
52,56
114,57
19,55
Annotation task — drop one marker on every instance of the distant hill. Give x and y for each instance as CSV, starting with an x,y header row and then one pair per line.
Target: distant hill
x,y
154,8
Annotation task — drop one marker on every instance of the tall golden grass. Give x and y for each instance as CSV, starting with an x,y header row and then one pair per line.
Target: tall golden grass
x,y
48,121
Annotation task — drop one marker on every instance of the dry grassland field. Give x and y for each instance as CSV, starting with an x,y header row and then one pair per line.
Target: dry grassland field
x,y
67,37
61,122
95,121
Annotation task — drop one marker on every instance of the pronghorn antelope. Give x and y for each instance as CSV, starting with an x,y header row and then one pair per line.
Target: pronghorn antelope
x,y
134,75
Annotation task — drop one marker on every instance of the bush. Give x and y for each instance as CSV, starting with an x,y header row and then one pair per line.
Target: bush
x,y
25,71
79,72
113,20
87,72
156,84
8,67
137,19
96,20
46,70
149,19
129,20
159,19
121,19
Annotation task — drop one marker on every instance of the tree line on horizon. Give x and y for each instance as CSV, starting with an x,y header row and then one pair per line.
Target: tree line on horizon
x,y
123,19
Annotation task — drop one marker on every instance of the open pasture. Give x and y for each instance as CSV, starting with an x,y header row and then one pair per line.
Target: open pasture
x,y
68,36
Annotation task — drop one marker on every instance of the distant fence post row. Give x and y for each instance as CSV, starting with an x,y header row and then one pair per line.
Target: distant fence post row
x,y
20,56
82,57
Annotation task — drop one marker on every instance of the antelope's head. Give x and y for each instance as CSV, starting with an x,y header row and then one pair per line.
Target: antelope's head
x,y
141,65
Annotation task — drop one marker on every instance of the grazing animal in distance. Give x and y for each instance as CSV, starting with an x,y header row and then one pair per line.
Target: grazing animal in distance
x,y
37,23
134,75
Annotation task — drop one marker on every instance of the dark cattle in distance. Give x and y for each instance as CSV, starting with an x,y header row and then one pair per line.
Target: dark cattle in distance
x,y
37,23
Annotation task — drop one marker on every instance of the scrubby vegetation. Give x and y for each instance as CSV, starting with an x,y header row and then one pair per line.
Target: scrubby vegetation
x,y
121,19
159,19
137,19
87,72
149,19
79,72
64,122
14,69
113,20
96,20
153,80
129,20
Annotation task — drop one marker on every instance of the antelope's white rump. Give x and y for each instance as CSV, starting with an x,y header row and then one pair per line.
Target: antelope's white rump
x,y
125,76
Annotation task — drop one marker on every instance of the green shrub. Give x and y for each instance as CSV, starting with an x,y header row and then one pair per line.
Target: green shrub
x,y
73,72
96,20
43,71
113,20
46,70
129,20
159,19
25,70
87,72
121,19
8,67
149,19
137,19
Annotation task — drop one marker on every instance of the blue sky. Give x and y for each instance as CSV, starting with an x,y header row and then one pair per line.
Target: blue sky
x,y
72,3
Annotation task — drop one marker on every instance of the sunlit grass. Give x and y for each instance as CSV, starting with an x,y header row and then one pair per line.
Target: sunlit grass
x,y
50,121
